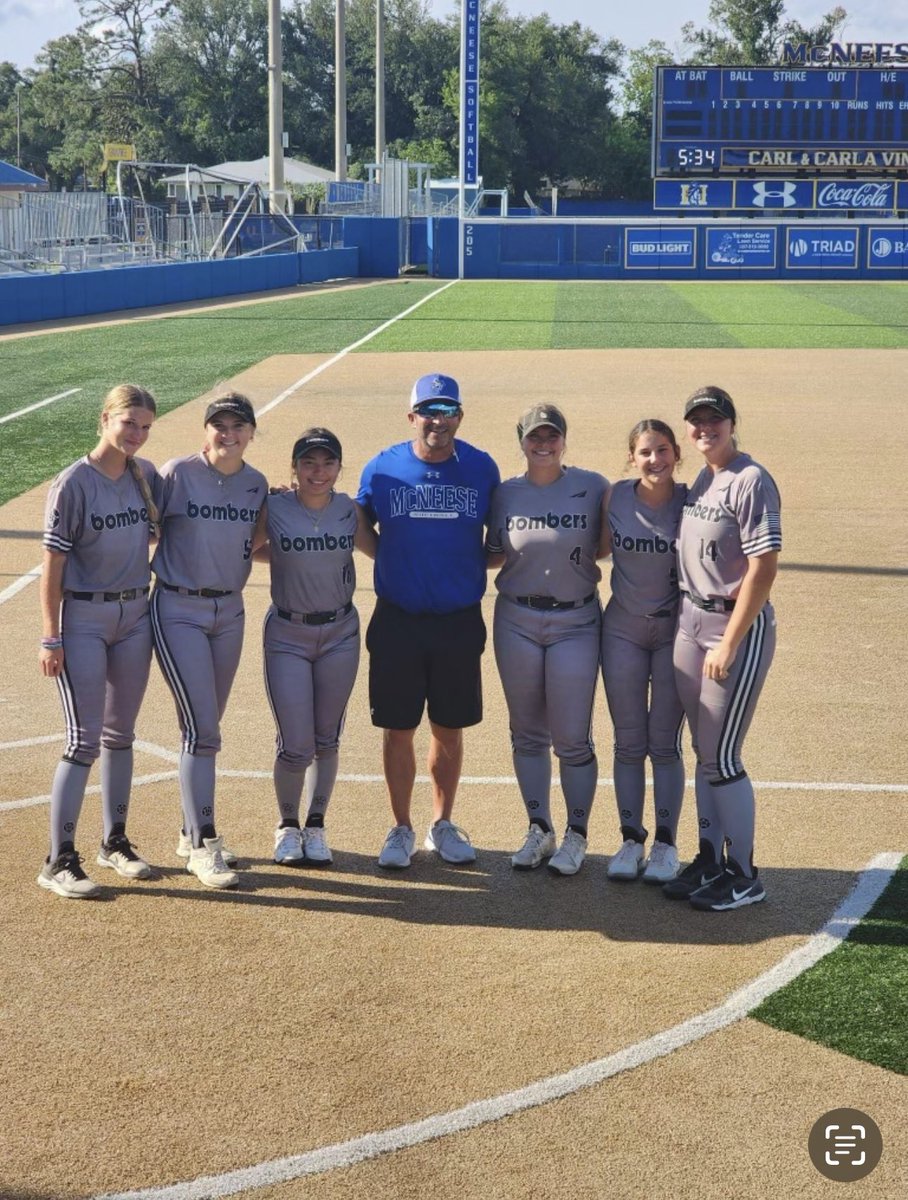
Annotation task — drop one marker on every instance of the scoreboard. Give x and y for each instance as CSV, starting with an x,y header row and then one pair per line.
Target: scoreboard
x,y
735,120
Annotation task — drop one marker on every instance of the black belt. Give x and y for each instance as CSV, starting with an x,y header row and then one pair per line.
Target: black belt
x,y
548,604
716,604
319,618
208,593
663,612
99,597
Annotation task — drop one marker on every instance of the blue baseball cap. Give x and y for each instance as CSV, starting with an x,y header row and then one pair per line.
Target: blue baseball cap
x,y
435,389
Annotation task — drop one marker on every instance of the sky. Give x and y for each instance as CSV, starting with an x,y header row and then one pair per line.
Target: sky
x,y
25,25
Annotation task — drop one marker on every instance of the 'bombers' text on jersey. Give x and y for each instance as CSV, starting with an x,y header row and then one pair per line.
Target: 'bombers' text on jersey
x,y
311,564
101,525
729,516
549,534
644,575
207,524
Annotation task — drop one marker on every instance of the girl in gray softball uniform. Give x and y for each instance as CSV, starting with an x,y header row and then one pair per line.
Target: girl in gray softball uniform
x,y
96,639
311,638
545,528
212,517
728,550
638,631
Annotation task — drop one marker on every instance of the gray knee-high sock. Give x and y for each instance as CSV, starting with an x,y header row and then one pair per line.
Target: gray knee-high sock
x,y
630,788
736,806
116,783
534,778
197,776
578,783
668,793
320,780
708,818
288,788
66,796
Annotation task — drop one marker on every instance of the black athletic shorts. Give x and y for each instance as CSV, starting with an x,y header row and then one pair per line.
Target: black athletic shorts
x,y
425,659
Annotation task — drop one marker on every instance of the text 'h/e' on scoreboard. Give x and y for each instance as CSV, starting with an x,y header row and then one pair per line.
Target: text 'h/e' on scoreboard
x,y
760,120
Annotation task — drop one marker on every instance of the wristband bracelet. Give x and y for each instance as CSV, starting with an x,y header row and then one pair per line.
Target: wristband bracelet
x,y
52,643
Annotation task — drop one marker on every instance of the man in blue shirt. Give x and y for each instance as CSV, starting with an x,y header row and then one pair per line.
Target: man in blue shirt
x,y
430,500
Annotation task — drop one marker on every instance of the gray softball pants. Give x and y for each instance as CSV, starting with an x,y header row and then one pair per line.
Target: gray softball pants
x,y
549,664
309,675
640,687
719,712
106,663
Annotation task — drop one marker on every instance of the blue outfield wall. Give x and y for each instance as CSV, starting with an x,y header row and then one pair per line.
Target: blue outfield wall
x,y
670,249
25,298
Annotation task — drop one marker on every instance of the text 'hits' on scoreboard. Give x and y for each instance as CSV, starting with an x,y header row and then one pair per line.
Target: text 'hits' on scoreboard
x,y
759,119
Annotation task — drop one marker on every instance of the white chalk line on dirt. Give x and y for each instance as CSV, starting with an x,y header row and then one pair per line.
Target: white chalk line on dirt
x,y
173,756
868,888
35,572
41,404
294,387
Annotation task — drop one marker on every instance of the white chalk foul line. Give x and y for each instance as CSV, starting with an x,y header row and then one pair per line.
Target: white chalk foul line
x,y
294,387
22,582
40,404
35,572
869,887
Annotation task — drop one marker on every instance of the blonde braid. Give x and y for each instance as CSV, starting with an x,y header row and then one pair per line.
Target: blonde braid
x,y
154,514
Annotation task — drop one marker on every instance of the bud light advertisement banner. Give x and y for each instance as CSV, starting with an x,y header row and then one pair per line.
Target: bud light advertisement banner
x,y
650,249
887,247
741,249
829,247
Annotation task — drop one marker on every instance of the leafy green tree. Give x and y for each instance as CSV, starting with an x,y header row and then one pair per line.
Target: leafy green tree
x,y
752,32
211,58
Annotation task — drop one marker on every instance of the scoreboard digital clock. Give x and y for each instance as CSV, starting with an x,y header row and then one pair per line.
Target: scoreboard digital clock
x,y
731,120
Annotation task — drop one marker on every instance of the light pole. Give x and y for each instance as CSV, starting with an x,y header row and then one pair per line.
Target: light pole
x,y
18,124
379,81
340,92
278,195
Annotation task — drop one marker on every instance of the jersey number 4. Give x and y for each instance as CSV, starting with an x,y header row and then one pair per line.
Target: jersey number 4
x,y
576,555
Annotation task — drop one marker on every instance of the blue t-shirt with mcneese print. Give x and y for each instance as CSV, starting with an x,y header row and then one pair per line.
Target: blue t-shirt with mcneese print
x,y
431,519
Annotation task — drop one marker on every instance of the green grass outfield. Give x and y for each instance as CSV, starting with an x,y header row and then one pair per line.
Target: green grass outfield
x,y
180,357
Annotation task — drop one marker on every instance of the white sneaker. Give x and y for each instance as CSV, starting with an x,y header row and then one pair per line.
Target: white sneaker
x,y
206,862
65,877
539,844
663,863
184,848
628,862
451,843
118,853
397,848
315,843
288,846
570,855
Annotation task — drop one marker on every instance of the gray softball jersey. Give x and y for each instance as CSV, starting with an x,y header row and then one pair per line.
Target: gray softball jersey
x,y
729,516
311,553
207,524
102,527
563,519
644,577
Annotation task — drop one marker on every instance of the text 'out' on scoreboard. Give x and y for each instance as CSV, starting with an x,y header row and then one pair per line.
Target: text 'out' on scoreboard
x,y
814,119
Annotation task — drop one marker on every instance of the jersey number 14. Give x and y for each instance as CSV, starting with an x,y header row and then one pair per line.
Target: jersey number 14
x,y
709,549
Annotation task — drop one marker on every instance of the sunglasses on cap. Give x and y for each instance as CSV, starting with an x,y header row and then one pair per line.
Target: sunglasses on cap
x,y
438,408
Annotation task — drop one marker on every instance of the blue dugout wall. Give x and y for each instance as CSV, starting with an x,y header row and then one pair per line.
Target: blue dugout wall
x,y
80,293
670,249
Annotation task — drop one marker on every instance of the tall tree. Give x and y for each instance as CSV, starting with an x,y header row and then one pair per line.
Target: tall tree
x,y
752,32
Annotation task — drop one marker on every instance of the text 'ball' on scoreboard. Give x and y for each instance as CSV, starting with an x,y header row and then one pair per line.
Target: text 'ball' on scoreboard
x,y
765,119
